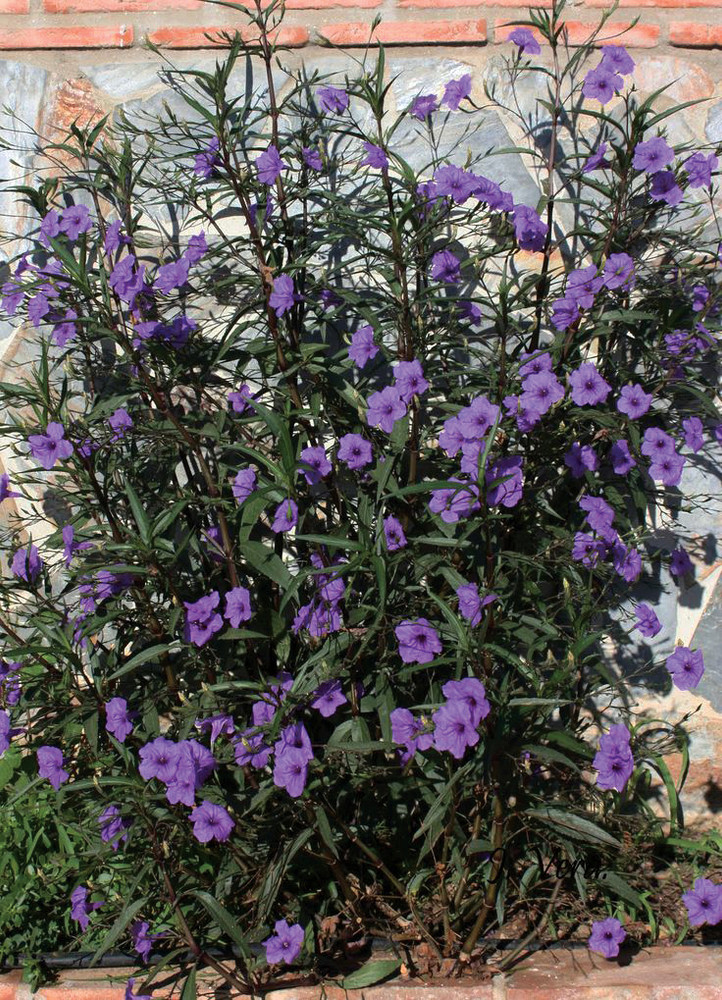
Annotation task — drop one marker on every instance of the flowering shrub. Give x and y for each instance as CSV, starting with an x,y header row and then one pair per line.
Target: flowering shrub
x,y
351,465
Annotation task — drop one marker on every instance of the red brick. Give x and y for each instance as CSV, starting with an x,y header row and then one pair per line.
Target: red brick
x,y
116,6
440,4
641,36
694,35
406,32
14,6
679,4
502,28
324,4
195,37
118,37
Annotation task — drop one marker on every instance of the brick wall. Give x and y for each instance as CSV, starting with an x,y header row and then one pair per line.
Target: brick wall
x,y
691,27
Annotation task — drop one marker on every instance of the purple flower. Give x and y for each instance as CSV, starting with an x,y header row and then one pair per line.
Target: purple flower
x,y
587,549
606,937
75,220
616,59
50,766
197,248
202,622
455,502
211,822
240,399
445,266
290,771
38,307
564,312
599,516
120,421
664,187
410,379
508,492
472,693
113,827
647,622
159,759
656,443
332,99
270,166
418,641
699,169
354,450
27,564
66,331
126,282
80,909
50,447
652,155
588,386
285,944
601,84
700,297
207,159
595,160
541,392
407,731
244,484
704,903
627,561
113,237
679,563
385,408
455,183
469,602
285,517
477,418
618,271
634,401
693,433
328,697
583,283
614,760
130,995
423,106
581,459
283,295
172,275
49,227
456,90
312,158
238,606
529,229
314,464
12,295
118,720
621,458
394,534
142,940
667,468
534,362
454,728
526,41
686,667
375,157
217,725
362,347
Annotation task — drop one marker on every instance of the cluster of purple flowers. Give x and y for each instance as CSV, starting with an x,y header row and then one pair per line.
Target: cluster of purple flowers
x,y
202,620
605,80
583,284
453,726
603,541
182,767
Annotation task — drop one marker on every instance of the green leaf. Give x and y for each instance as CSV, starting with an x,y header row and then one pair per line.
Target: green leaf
x,y
122,920
265,560
374,971
139,515
223,918
574,826
151,653
621,887
189,986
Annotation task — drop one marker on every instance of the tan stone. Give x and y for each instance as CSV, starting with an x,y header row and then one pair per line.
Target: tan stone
x,y
689,82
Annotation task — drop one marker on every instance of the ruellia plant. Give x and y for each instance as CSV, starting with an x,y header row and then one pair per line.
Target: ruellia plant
x,y
330,482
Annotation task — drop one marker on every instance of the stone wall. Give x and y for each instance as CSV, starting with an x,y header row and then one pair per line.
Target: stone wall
x,y
73,60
